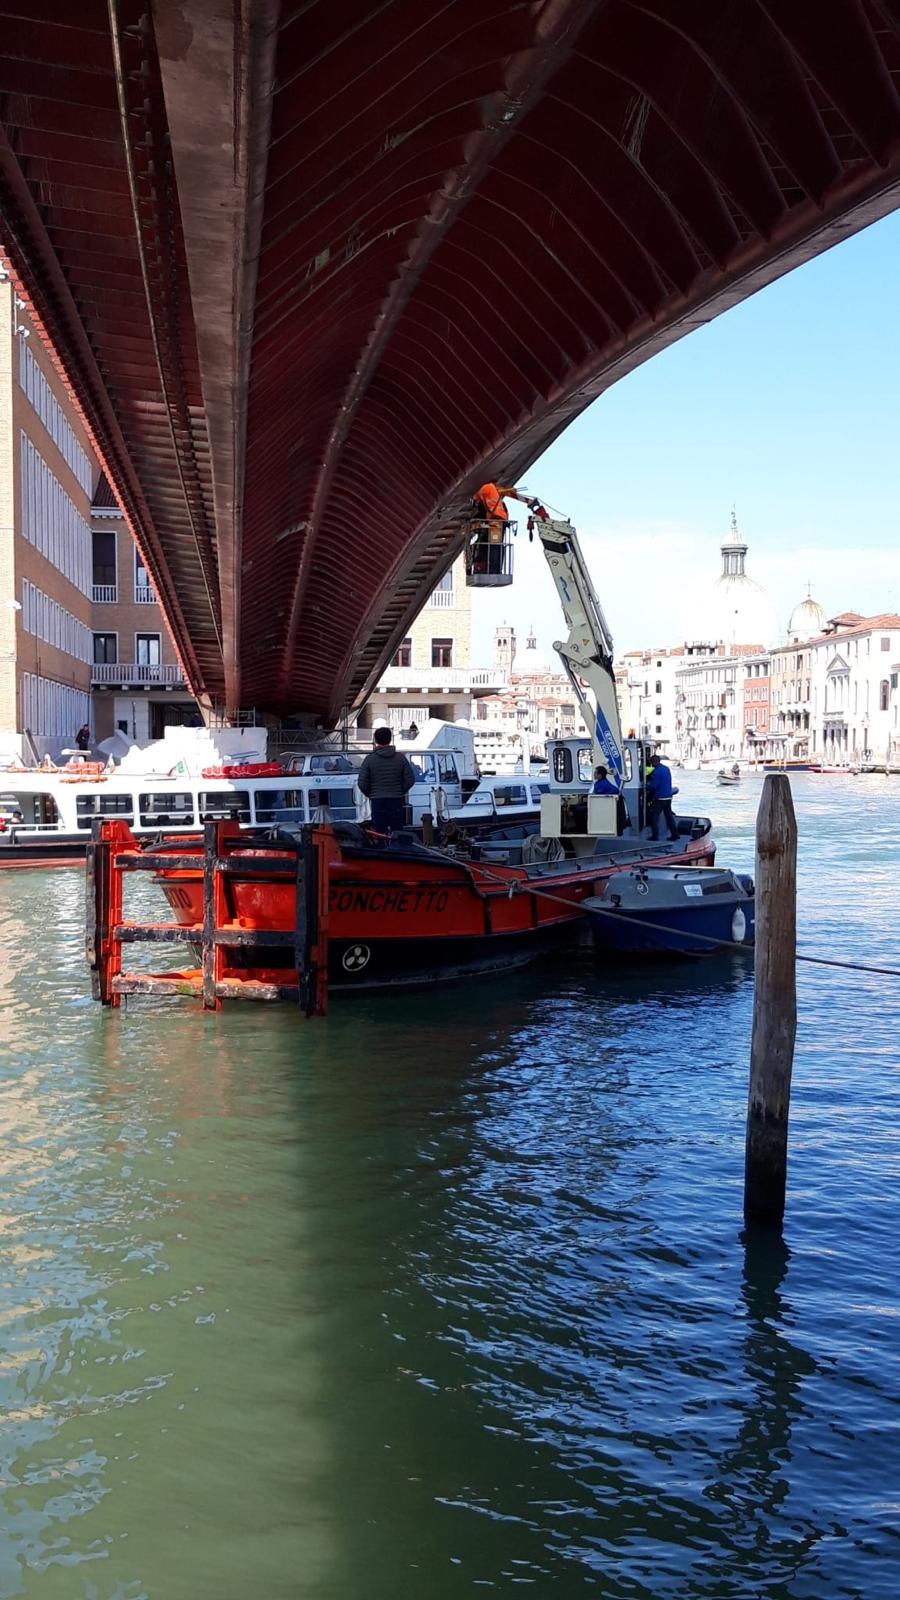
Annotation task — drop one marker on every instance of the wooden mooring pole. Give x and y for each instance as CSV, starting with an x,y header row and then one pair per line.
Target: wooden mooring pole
x,y
774,1005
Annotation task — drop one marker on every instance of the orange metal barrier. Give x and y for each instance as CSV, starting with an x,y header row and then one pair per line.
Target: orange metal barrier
x,y
226,853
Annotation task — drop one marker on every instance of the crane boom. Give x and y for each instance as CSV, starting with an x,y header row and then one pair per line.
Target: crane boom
x,y
587,653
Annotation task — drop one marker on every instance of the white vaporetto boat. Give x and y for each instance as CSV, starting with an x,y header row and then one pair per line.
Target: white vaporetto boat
x,y
199,775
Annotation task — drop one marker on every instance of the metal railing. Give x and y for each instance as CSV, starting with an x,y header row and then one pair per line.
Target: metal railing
x,y
136,672
144,595
105,594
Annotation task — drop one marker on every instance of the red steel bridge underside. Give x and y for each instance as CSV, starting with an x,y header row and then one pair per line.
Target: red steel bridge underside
x,y
313,269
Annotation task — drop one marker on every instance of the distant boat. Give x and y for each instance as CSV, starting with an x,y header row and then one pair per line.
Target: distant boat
x,y
728,776
673,911
793,764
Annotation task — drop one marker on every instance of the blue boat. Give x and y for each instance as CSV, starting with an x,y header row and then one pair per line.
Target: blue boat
x,y
684,911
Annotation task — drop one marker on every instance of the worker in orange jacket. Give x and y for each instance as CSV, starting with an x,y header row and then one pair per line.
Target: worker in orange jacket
x,y
490,496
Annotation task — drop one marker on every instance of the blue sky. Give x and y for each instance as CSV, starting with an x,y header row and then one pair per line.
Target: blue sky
x,y
786,406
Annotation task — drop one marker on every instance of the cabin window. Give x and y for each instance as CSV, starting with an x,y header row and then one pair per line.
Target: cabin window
x,y
447,770
89,806
159,810
330,764
585,764
537,789
626,757
562,764
338,803
424,768
46,811
225,806
511,794
279,805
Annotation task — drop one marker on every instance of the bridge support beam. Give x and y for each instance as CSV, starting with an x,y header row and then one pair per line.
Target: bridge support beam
x,y
217,63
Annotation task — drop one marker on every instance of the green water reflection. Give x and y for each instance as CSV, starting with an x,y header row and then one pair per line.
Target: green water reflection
x,y
447,1293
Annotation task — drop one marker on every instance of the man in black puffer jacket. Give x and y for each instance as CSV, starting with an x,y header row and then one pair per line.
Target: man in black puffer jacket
x,y
386,778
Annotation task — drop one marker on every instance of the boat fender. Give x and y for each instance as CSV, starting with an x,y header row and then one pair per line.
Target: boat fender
x,y
738,926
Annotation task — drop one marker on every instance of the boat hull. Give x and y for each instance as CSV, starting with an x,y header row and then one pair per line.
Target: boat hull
x,y
407,917
669,912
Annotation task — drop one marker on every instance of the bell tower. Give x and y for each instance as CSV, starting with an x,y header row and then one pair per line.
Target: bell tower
x,y
504,647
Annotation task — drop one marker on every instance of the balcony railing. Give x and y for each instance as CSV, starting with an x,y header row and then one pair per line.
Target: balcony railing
x,y
136,672
144,595
105,594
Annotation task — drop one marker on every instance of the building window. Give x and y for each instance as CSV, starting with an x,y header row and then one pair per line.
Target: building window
x,y
885,644
146,647
884,695
659,711
442,652
104,542
143,588
106,648
447,580
403,658
659,686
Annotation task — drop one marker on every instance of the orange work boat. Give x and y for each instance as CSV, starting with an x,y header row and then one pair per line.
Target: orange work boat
x,y
333,907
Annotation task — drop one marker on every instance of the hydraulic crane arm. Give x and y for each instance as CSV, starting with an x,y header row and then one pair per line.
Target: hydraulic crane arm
x,y
587,653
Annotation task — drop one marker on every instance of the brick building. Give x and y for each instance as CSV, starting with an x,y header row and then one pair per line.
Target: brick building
x,y
82,637
138,684
46,478
757,685
431,674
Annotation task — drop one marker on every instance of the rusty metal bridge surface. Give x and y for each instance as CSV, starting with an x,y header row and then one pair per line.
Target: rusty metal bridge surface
x,y
314,268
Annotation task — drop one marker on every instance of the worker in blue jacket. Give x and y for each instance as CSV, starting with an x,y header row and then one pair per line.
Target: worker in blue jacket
x,y
602,784
660,790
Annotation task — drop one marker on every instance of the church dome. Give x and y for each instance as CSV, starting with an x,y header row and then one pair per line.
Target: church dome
x,y
807,620
735,609
531,662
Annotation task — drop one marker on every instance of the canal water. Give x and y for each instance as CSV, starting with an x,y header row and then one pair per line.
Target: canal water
x,y
449,1294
